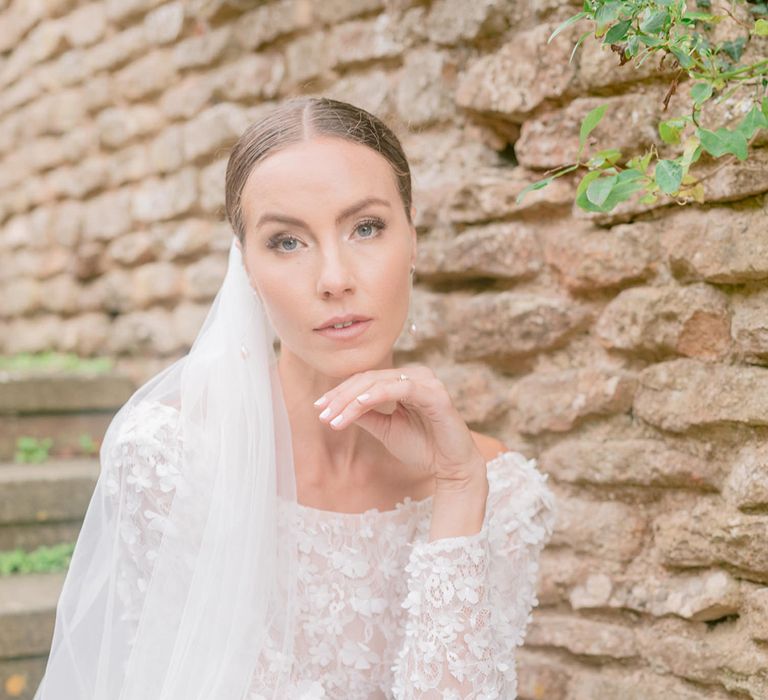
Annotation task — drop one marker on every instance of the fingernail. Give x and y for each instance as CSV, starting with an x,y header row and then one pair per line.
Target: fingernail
x,y
363,397
320,401
338,419
326,413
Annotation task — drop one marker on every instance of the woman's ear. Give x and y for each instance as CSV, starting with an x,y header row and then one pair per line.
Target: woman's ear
x,y
238,244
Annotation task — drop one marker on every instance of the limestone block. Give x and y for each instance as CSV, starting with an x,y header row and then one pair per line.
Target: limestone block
x,y
679,394
631,461
717,244
658,321
559,400
509,250
588,258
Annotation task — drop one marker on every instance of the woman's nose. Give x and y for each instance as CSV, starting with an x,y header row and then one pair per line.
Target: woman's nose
x,y
335,277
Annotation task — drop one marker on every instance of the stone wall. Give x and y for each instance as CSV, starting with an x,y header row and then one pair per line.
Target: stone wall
x,y
627,351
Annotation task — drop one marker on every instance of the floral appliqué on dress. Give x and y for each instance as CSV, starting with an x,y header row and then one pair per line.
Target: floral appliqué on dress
x,y
383,613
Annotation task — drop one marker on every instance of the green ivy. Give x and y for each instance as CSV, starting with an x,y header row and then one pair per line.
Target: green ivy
x,y
635,30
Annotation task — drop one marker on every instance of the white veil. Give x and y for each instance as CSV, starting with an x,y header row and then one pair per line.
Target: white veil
x,y
219,591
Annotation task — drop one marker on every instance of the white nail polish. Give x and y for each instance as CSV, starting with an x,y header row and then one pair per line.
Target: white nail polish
x,y
337,420
326,413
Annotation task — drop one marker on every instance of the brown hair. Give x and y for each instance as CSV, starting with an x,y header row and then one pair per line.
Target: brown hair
x,y
302,118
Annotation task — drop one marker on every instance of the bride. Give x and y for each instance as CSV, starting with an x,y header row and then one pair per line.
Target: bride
x,y
312,523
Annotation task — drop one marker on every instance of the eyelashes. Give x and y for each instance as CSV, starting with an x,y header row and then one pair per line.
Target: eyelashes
x,y
275,241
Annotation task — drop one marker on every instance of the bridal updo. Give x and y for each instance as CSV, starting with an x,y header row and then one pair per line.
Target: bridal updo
x,y
300,119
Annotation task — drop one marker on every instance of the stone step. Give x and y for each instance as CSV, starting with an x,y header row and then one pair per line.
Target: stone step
x,y
27,617
61,406
44,504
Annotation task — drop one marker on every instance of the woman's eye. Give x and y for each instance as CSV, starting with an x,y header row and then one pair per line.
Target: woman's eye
x,y
276,242
374,224
366,229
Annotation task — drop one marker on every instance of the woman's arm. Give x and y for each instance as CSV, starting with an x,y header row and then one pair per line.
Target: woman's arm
x,y
470,596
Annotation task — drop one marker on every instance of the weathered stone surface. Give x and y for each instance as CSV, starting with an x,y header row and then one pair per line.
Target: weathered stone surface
x,y
638,685
717,245
427,312
150,74
638,462
491,194
186,239
60,294
41,43
249,78
210,181
522,74
735,180
659,321
756,613
119,126
334,11
122,10
158,199
20,296
538,676
307,57
749,326
86,25
474,391
202,279
507,325
217,127
702,596
358,41
133,249
188,97
85,334
723,657
164,24
578,636
552,140
559,400
268,22
143,331
203,49
156,282
116,49
452,21
508,250
747,484
679,394
107,216
593,258
710,533
608,530
424,92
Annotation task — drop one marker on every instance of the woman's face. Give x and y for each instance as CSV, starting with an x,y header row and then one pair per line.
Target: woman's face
x,y
326,235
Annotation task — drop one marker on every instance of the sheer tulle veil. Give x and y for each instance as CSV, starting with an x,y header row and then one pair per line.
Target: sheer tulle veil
x,y
220,592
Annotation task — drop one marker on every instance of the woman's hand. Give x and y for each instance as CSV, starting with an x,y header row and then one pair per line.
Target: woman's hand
x,y
423,430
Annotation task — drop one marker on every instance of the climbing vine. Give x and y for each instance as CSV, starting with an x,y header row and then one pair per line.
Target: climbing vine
x,y
637,30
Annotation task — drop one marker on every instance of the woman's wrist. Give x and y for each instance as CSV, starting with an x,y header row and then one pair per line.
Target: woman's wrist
x,y
458,507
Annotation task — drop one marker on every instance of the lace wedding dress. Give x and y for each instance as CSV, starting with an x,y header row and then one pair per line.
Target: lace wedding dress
x,y
384,613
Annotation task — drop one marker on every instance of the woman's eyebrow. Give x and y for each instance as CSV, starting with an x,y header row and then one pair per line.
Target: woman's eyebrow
x,y
345,213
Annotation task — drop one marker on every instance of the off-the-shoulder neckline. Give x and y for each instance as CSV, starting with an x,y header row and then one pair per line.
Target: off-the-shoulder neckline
x,y
406,504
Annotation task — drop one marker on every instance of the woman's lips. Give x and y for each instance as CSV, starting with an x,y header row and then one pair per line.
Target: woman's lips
x,y
357,328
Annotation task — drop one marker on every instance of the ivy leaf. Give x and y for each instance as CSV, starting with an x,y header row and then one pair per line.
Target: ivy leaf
x,y
655,22
722,141
753,120
670,129
761,27
598,191
701,92
589,123
668,175
617,32
683,58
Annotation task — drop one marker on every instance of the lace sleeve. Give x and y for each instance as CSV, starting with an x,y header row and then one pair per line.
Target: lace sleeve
x,y
141,479
470,598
